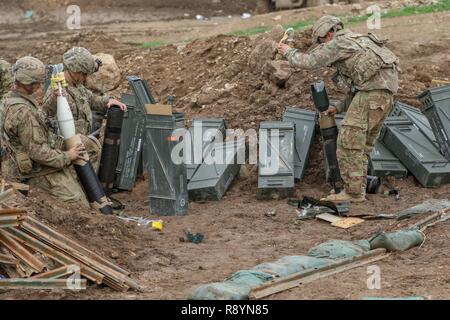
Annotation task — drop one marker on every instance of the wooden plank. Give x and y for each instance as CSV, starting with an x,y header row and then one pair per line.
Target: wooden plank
x,y
40,284
59,257
105,270
10,221
16,211
13,271
8,259
423,223
353,265
92,255
121,281
294,280
20,252
58,272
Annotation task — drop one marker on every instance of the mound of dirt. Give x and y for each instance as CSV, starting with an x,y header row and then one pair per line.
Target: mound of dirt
x,y
227,76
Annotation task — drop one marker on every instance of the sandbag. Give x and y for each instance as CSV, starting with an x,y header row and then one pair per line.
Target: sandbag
x,y
220,291
432,205
339,249
291,264
397,241
236,287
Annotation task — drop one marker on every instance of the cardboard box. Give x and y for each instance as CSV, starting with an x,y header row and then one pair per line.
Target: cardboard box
x,y
159,109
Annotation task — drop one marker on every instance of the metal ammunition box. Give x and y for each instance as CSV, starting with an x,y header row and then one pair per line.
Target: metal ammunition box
x,y
209,129
167,180
214,176
305,126
383,163
416,152
436,107
276,160
130,154
131,140
401,109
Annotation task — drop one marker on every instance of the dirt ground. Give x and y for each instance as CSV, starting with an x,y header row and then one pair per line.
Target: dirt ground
x,y
226,76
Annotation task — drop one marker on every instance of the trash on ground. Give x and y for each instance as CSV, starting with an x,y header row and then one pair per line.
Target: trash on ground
x,y
194,238
141,221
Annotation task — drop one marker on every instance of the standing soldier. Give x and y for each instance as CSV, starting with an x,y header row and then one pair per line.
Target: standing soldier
x,y
78,64
5,77
369,72
32,152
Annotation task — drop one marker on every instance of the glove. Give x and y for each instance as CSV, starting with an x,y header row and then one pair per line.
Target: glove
x,y
58,78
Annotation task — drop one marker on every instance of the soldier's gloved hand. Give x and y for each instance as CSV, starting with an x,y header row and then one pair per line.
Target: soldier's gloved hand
x,y
332,110
283,48
115,102
58,78
76,152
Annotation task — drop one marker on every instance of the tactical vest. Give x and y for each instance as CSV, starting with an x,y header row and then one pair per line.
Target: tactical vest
x,y
83,116
15,160
371,57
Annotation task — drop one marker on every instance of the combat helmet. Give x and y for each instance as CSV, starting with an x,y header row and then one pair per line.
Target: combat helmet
x,y
325,24
79,59
29,70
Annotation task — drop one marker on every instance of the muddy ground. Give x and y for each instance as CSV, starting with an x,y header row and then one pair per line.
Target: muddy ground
x,y
216,76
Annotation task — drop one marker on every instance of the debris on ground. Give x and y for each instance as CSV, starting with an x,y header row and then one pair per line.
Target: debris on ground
x,y
141,221
339,222
245,81
194,238
323,260
36,256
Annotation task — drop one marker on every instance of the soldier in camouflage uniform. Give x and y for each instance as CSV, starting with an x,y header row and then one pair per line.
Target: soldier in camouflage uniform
x,y
32,153
78,64
5,77
369,72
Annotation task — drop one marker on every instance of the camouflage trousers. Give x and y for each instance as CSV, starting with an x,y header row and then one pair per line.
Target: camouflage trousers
x,y
359,132
63,185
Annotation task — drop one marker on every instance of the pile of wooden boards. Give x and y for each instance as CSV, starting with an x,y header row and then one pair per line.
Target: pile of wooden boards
x,y
34,255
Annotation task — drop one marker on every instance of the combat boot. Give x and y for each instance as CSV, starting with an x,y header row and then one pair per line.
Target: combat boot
x,y
344,196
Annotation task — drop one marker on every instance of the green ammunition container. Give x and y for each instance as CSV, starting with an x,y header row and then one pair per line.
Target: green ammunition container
x,y
401,109
209,129
131,140
416,152
436,107
219,169
130,155
383,163
167,180
305,126
276,179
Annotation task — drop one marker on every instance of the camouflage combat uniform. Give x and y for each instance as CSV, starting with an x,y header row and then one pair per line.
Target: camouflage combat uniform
x,y
5,77
369,70
81,100
34,154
